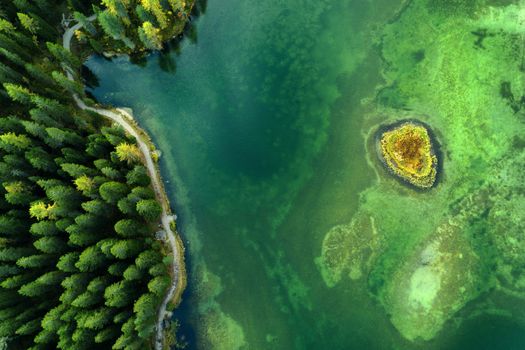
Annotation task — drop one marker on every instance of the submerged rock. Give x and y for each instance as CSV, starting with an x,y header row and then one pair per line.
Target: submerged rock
x,y
407,150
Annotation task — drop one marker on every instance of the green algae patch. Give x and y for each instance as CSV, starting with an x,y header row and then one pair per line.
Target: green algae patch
x,y
407,150
423,287
506,221
437,281
349,248
222,332
218,329
442,249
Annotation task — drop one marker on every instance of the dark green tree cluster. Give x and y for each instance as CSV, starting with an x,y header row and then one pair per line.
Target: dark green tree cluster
x,y
134,25
79,267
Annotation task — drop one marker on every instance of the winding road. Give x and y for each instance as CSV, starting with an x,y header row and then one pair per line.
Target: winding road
x,y
123,118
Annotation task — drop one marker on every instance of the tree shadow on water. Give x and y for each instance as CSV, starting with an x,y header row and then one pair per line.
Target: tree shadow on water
x,y
201,6
90,79
166,62
139,60
172,48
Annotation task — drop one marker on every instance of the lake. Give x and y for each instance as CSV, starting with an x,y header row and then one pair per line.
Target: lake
x,y
265,113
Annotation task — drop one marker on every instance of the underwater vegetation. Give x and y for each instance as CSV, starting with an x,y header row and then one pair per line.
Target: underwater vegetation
x,y
407,150
439,277
462,241
349,248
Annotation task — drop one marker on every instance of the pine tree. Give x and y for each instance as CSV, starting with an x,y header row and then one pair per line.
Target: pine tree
x,y
11,226
86,300
12,57
177,5
80,237
64,56
44,228
149,209
113,191
159,285
95,319
9,75
42,117
155,7
117,8
86,24
36,261
51,278
12,142
14,253
38,72
128,206
118,268
71,86
111,173
138,176
52,108
130,228
18,93
91,259
41,210
158,270
144,309
74,285
139,193
79,171
146,259
28,23
17,281
112,25
18,193
120,294
99,208
34,129
40,159
107,335
67,262
150,36
50,245
144,15
6,26
133,273
125,249
30,327
7,270
33,289
129,153
8,328
62,137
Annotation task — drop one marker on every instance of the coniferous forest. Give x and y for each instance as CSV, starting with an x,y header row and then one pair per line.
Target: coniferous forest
x,y
80,267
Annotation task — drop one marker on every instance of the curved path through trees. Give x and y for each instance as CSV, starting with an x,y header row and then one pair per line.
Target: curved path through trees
x,y
124,119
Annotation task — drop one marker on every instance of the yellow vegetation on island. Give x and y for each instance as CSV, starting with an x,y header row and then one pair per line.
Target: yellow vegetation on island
x,y
408,152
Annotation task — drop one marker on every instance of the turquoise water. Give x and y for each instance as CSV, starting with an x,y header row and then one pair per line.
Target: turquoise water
x,y
261,115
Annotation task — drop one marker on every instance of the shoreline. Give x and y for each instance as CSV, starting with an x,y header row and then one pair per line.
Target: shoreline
x,y
125,119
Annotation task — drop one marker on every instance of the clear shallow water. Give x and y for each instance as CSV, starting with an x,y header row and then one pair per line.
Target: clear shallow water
x,y
259,115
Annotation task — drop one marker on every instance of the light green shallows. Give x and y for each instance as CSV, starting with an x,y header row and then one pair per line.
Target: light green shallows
x,y
439,247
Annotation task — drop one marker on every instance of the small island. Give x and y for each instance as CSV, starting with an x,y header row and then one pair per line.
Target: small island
x,y
407,150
